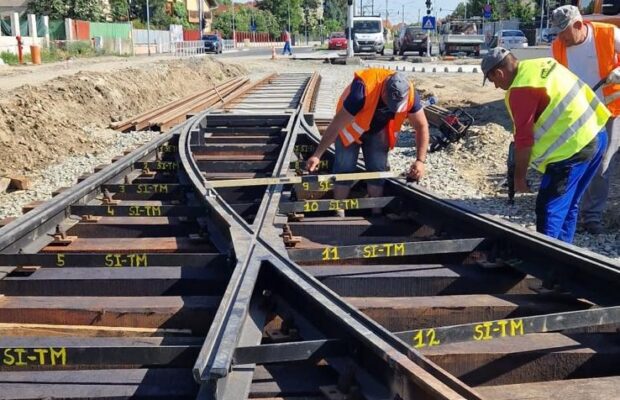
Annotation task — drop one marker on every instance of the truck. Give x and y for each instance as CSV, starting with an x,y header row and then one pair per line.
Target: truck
x,y
368,35
460,37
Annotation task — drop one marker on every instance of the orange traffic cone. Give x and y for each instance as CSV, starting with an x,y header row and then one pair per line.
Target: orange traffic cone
x,y
273,52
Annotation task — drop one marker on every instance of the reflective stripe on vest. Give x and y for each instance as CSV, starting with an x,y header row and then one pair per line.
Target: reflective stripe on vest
x,y
606,56
572,118
373,79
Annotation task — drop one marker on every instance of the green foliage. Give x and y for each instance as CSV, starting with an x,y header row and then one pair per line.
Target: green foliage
x,y
55,9
88,10
332,25
9,58
80,49
502,9
335,10
180,15
281,10
119,9
265,22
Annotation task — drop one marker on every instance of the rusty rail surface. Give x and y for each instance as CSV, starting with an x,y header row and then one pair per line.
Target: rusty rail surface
x,y
172,113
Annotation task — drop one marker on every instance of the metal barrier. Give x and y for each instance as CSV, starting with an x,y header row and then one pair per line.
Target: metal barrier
x,y
189,48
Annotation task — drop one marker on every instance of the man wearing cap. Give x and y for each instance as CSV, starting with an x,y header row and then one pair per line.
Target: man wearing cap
x,y
369,115
590,50
559,129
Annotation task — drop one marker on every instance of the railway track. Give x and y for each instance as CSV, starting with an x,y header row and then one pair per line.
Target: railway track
x,y
159,277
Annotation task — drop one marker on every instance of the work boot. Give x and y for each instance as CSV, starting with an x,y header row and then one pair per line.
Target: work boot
x,y
593,228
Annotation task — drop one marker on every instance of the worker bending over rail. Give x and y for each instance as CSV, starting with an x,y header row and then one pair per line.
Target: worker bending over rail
x,y
559,129
590,50
369,115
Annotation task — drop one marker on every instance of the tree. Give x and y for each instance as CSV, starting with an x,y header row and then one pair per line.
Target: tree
x,y
335,10
119,10
89,10
265,21
332,25
281,8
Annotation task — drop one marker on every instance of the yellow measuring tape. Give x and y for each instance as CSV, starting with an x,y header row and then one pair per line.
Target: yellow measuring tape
x,y
356,176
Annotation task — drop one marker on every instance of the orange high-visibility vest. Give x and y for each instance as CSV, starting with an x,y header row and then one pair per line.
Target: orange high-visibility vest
x,y
607,60
374,79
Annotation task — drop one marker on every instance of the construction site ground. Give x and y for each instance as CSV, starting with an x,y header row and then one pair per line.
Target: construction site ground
x,y
55,117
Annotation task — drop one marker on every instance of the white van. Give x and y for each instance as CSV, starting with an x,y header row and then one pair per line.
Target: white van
x,y
368,35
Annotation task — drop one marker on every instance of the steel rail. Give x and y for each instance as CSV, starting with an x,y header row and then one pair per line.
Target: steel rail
x,y
43,219
587,274
380,341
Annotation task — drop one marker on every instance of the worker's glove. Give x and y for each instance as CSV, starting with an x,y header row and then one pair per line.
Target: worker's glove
x,y
614,76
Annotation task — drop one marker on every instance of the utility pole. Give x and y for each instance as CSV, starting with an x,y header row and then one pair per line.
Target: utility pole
x,y
200,17
542,16
350,30
288,9
387,13
233,24
403,14
148,27
372,7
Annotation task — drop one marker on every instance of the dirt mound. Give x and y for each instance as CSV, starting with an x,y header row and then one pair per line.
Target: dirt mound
x,y
40,125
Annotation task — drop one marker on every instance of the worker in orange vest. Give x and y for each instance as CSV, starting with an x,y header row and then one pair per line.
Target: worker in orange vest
x,y
590,50
369,115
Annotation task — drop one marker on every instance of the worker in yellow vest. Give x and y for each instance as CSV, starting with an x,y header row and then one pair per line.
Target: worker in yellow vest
x,y
559,129
369,115
590,50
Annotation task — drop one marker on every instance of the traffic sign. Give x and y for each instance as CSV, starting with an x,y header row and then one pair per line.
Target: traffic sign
x,y
487,11
428,22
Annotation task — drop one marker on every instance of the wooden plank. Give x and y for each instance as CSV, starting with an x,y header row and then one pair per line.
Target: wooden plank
x,y
406,313
529,358
49,330
605,388
165,383
188,312
147,244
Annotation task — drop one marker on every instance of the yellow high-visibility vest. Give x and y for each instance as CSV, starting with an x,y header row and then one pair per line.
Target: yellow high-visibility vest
x,y
573,117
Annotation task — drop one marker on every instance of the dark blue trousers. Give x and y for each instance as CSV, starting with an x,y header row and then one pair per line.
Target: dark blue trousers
x,y
561,189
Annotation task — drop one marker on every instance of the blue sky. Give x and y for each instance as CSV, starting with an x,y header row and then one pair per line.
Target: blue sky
x,y
411,8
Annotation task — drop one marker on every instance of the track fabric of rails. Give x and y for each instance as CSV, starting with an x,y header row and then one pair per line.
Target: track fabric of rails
x,y
145,281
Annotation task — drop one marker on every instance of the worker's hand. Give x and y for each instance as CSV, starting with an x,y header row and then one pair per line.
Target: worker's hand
x,y
416,171
312,163
521,186
614,76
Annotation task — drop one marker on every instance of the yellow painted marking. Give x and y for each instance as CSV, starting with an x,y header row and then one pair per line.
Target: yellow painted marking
x,y
310,206
20,357
60,260
110,211
152,188
304,148
383,250
117,260
424,338
498,329
330,253
144,211
166,165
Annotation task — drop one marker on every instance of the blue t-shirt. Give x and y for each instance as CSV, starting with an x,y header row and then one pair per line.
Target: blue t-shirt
x,y
355,102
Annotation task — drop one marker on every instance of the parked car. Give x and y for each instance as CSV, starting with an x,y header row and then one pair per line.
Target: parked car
x,y
213,43
411,39
337,41
509,39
